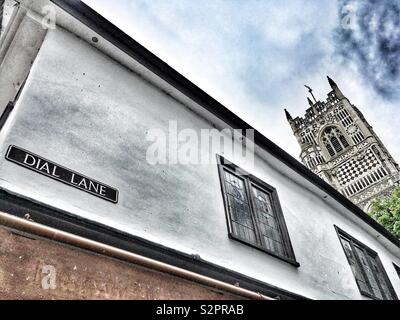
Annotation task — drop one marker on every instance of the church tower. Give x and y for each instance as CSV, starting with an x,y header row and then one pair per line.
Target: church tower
x,y
339,145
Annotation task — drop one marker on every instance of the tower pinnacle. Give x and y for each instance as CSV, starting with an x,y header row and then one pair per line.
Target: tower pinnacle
x,y
335,88
331,82
288,116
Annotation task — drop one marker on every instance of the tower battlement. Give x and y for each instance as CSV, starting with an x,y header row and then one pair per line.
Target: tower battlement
x,y
317,108
339,145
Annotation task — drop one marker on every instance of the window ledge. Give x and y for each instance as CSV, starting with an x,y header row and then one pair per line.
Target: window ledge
x,y
284,259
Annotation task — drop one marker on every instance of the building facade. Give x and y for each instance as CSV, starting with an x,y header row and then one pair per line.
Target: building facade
x,y
338,144
81,105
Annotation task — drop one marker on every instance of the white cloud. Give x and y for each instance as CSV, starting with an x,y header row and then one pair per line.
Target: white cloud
x,y
254,57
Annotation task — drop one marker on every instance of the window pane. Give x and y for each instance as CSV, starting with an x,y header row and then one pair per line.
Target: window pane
x,y
382,281
267,222
354,266
239,208
344,141
330,150
336,144
369,272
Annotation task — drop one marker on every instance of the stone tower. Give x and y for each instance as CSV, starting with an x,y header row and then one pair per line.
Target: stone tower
x,y
339,145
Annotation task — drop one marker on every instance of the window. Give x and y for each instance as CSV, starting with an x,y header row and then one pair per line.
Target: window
x,y
334,141
253,212
367,269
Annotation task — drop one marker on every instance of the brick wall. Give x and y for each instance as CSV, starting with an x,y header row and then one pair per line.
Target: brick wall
x,y
37,268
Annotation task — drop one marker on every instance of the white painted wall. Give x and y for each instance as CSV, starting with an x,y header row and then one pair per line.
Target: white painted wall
x,y
8,7
85,111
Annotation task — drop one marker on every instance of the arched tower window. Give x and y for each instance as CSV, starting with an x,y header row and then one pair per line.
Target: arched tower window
x,y
334,140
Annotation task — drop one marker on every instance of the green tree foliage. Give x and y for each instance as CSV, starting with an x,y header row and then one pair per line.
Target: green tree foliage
x,y
386,211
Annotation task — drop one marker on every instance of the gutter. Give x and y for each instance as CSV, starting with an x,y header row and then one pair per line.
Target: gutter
x,y
103,249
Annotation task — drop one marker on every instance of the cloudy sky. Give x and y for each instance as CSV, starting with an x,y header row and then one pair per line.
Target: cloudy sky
x,y
254,56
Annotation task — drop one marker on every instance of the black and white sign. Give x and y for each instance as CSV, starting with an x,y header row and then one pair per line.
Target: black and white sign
x,y
52,170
